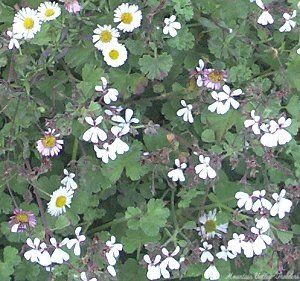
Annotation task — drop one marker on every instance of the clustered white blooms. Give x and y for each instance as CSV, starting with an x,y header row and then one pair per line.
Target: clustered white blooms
x,y
171,26
105,37
62,197
49,255
273,133
112,252
27,22
158,268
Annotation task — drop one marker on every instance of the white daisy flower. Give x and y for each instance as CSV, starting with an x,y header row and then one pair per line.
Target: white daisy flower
x,y
289,23
225,254
60,198
94,134
209,228
119,146
206,254
48,11
204,169
253,123
281,206
50,145
13,42
110,94
169,262
84,277
68,181
113,250
125,123
177,174
186,112
27,23
115,54
128,16
218,105
104,35
75,242
260,241
153,272
59,255
211,273
105,153
171,26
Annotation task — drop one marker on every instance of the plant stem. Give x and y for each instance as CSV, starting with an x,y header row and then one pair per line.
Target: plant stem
x,y
75,149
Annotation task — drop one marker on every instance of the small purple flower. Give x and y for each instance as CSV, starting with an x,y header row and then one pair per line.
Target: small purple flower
x,y
21,219
209,77
72,6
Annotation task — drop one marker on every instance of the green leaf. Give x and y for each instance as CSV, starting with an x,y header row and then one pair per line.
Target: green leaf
x,y
296,229
156,67
183,8
293,107
208,135
284,236
187,195
131,270
185,40
62,222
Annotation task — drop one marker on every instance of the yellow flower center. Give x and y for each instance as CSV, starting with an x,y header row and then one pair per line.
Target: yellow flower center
x,y
49,141
210,226
49,12
22,218
216,76
105,36
127,18
28,23
61,201
114,54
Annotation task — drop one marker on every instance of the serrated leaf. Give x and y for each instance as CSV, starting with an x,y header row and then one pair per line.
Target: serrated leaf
x,y
208,135
184,8
156,67
284,236
185,40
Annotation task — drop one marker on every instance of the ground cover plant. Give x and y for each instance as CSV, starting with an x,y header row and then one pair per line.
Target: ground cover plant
x,y
149,140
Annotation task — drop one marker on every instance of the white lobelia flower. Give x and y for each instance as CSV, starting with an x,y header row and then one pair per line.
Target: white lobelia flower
x,y
68,181
26,23
113,110
105,153
94,134
227,96
49,145
125,123
244,200
209,228
225,253
59,255
104,35
128,16
260,202
206,254
34,253
75,242
218,105
119,146
171,26
248,248
211,273
298,51
289,23
115,54
186,112
110,94
177,174
253,123
262,223
60,199
235,244
265,18
113,250
275,133
13,42
153,272
204,169
169,262
48,11
281,206
261,240
84,277
111,270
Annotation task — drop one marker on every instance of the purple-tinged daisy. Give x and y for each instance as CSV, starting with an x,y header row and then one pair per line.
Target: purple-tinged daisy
x,y
21,219
50,145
